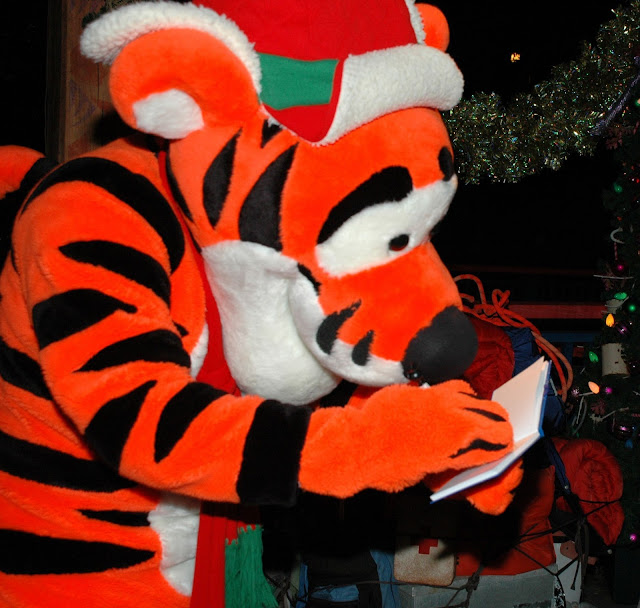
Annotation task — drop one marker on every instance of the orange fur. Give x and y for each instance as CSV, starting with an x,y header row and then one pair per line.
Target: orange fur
x,y
232,89
16,161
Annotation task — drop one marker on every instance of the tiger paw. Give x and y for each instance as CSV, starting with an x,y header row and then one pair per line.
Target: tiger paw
x,y
494,496
401,434
466,431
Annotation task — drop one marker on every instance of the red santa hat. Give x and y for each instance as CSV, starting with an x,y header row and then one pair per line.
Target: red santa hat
x,y
321,68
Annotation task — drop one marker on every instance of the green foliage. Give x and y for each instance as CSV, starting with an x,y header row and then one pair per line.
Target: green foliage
x,y
506,141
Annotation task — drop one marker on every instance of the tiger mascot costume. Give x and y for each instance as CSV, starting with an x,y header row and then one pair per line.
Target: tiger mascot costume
x,y
240,304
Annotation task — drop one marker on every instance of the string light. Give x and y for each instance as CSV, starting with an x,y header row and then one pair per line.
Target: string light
x,y
593,387
593,357
515,57
610,320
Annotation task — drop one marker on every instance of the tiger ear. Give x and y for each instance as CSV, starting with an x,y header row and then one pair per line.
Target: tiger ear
x,y
176,67
436,28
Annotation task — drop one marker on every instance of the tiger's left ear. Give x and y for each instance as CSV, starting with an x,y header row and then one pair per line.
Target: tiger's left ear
x,y
175,67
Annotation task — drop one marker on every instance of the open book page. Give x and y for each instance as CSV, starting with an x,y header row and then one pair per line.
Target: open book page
x,y
523,398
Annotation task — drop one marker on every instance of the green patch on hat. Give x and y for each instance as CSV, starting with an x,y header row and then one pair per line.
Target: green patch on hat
x,y
290,82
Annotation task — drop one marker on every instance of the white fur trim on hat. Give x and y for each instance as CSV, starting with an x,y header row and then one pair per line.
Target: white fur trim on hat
x,y
416,21
103,39
380,82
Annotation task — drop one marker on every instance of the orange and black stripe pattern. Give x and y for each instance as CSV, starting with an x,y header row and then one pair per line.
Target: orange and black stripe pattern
x,y
97,325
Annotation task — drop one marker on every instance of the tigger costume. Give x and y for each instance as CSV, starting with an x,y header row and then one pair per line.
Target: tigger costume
x,y
314,238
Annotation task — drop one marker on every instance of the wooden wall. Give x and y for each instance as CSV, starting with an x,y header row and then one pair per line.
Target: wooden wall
x,y
80,116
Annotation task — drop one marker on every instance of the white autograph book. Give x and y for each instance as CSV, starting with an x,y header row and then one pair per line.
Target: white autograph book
x,y
523,397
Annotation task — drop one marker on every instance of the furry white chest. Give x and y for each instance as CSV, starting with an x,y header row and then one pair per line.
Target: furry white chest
x,y
262,346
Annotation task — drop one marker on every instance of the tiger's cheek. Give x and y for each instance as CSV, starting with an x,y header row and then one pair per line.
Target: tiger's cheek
x,y
417,288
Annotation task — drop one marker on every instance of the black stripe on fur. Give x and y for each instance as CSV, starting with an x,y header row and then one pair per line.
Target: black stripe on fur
x,y
480,444
159,346
28,553
259,220
271,456
135,519
71,312
130,188
22,371
109,429
123,260
178,414
217,180
51,467
12,202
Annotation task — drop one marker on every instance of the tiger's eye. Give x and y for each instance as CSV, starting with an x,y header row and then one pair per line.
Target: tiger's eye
x,y
398,243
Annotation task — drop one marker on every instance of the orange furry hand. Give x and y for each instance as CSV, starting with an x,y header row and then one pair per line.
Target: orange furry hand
x,y
494,496
491,497
401,434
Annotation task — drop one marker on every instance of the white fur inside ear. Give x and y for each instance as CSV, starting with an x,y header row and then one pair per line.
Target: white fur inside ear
x,y
171,114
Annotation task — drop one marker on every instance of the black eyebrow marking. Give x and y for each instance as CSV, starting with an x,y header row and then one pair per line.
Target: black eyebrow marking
x,y
392,184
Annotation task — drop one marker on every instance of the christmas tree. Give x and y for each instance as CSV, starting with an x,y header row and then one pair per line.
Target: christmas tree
x,y
605,398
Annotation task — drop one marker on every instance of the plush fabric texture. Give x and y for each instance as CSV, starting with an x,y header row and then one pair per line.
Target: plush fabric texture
x,y
118,404
595,478
494,363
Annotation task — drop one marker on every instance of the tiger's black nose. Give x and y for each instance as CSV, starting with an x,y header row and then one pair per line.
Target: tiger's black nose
x,y
443,350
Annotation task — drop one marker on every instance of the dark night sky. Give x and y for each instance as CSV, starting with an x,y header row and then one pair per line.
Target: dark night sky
x,y
553,220
545,33
23,54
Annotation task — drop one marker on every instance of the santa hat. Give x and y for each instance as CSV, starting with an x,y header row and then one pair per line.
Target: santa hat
x,y
321,68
